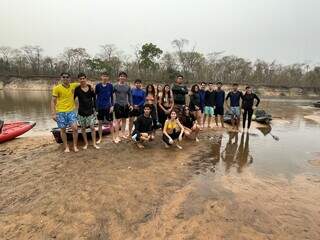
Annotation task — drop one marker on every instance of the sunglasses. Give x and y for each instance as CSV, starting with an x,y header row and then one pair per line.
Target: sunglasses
x,y
65,77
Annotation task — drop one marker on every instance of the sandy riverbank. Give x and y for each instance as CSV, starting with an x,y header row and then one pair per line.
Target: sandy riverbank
x,y
120,192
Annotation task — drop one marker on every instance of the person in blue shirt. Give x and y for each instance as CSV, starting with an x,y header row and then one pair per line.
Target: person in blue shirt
x,y
219,103
104,103
138,99
202,94
235,95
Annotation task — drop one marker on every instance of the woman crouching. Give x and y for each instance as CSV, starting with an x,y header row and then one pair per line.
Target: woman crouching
x,y
172,131
190,124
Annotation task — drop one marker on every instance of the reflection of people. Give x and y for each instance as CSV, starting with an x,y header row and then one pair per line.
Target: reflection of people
x,y
216,148
143,127
242,155
62,109
230,151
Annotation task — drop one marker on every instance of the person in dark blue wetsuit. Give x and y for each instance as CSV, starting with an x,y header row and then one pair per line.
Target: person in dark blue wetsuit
x,y
138,99
248,106
219,103
202,94
235,95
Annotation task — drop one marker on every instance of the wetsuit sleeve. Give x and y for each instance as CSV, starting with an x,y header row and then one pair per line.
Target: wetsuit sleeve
x,y
129,96
96,90
228,96
258,100
111,95
137,124
93,95
141,103
185,90
191,104
75,95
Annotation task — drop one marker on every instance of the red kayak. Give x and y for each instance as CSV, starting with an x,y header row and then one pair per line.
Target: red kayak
x,y
12,130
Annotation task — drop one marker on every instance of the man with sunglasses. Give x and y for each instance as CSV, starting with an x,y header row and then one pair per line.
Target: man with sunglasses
x,y
63,109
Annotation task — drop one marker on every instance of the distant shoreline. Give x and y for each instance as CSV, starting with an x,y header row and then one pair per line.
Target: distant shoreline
x,y
46,83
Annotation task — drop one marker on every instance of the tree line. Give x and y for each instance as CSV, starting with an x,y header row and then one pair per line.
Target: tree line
x,y
152,64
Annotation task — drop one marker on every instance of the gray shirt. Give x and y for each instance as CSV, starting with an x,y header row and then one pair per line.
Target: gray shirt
x,y
122,94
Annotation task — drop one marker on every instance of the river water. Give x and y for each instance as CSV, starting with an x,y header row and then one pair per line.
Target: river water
x,y
298,137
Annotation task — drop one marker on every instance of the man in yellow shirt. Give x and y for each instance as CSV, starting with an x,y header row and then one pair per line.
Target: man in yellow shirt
x,y
63,109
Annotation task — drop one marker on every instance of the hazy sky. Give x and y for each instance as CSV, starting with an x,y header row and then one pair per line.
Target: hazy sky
x,y
285,30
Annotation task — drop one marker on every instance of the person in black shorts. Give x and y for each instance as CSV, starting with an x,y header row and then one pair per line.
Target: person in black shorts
x,y
143,127
122,105
248,106
190,124
219,103
104,104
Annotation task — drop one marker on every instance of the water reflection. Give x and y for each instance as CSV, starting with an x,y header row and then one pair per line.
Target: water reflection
x,y
237,154
243,157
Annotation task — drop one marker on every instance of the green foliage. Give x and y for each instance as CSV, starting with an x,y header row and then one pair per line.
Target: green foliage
x,y
149,53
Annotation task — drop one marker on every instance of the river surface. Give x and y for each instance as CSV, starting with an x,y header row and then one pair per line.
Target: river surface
x,y
298,137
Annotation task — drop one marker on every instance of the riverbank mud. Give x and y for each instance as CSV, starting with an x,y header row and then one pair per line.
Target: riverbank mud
x,y
121,192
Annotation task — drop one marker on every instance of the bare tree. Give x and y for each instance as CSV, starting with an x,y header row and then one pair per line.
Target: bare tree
x,y
33,55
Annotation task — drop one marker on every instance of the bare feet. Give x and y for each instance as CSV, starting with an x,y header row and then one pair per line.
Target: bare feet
x,y
125,136
67,150
85,147
116,140
178,146
166,145
96,147
139,145
99,141
75,149
197,139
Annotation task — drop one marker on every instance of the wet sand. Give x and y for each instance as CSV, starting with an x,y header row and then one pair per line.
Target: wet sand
x,y
121,192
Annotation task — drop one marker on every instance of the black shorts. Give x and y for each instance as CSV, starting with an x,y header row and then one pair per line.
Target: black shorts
x,y
219,111
105,115
136,112
121,111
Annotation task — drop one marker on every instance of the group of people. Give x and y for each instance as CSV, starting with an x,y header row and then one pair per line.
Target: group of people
x,y
147,110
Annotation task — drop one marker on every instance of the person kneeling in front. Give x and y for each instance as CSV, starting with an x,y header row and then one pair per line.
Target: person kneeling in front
x,y
172,131
143,127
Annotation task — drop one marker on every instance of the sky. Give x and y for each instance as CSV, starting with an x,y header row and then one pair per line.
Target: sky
x,y
287,31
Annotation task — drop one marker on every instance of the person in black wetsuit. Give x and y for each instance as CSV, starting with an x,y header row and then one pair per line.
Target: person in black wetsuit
x,y
143,127
248,106
219,102
179,94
